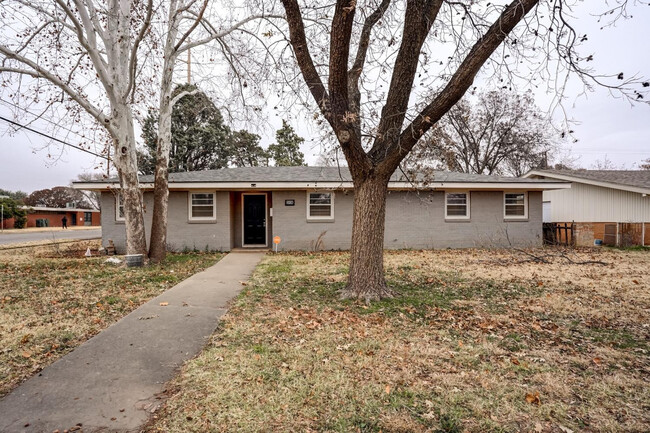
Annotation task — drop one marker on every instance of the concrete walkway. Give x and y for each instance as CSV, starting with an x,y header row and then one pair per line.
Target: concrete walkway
x,y
111,382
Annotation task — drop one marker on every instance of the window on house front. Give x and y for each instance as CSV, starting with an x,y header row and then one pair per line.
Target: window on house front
x,y
320,205
88,217
515,205
202,206
457,205
119,207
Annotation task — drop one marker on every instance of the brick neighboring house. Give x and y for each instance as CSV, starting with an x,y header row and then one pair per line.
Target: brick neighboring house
x,y
40,216
310,208
612,206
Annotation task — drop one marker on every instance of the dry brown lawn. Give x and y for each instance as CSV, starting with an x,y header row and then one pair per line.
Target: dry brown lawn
x,y
52,299
477,341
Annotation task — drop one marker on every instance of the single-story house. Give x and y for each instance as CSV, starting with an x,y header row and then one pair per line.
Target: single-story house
x,y
608,206
42,216
311,208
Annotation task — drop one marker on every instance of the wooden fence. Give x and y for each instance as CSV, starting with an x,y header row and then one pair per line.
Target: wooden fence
x,y
559,234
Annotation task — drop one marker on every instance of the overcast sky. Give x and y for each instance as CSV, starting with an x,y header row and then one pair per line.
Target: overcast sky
x,y
607,127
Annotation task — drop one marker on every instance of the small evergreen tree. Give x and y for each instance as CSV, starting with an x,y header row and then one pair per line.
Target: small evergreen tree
x,y
199,135
286,150
245,151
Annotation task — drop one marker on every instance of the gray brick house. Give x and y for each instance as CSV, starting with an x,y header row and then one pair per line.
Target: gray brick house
x,y
311,208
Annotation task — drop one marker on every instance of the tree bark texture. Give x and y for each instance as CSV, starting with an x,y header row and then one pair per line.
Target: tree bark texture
x,y
366,279
158,240
125,160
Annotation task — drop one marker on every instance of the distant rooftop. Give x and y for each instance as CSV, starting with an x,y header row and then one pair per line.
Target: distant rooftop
x,y
631,178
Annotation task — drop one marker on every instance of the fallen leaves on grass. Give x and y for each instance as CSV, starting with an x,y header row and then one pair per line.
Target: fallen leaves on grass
x,y
55,300
533,398
399,365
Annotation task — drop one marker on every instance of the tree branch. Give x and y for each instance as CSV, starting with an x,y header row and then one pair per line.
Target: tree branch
x,y
460,81
338,65
194,25
303,57
419,17
218,35
39,72
133,61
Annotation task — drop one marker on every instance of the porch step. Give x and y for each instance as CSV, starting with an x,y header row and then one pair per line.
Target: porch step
x,y
250,250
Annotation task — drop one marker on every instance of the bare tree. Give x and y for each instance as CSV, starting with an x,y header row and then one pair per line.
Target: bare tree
x,y
501,133
85,56
645,165
606,164
378,130
185,18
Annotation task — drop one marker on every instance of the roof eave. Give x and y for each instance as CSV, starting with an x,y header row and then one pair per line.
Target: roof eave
x,y
533,185
569,178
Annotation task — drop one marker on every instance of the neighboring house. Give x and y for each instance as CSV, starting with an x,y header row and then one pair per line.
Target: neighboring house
x,y
311,208
40,216
612,206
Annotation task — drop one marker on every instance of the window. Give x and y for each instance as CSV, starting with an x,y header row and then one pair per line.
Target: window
x,y
320,205
202,206
457,205
88,217
119,208
515,205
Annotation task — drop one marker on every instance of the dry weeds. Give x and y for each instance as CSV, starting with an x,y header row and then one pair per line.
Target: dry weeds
x,y
52,299
478,341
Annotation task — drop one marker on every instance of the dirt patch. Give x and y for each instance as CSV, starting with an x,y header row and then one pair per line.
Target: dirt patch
x,y
477,341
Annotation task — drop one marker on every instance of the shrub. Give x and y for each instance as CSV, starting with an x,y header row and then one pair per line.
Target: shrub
x,y
11,209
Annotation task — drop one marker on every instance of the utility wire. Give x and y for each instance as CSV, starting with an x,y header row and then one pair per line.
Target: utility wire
x,y
39,117
53,138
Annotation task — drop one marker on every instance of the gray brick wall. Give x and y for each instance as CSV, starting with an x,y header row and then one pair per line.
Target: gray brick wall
x,y
413,220
181,233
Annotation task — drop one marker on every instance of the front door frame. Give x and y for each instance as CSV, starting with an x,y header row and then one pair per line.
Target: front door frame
x,y
266,222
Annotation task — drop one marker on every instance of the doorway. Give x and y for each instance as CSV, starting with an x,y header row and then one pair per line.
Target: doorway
x,y
254,220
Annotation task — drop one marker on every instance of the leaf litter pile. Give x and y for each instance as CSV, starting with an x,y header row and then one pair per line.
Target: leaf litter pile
x,y
476,341
52,299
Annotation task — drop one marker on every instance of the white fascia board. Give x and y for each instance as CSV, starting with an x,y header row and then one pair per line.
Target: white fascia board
x,y
577,179
335,185
57,209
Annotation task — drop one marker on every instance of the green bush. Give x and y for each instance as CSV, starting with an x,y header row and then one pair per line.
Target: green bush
x,y
11,209
20,220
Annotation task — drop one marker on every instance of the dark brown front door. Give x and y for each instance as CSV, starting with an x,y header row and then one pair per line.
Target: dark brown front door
x,y
254,219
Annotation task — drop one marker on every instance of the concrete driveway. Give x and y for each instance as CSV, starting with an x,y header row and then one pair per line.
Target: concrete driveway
x,y
14,237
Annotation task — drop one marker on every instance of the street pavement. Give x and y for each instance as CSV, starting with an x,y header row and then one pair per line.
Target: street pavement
x,y
12,237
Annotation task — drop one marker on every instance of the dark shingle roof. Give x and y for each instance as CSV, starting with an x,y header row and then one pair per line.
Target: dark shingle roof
x,y
635,178
316,174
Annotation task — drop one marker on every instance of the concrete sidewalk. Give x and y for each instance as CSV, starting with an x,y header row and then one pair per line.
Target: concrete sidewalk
x,y
111,382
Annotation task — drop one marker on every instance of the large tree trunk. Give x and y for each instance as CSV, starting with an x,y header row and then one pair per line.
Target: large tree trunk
x,y
366,279
127,167
158,242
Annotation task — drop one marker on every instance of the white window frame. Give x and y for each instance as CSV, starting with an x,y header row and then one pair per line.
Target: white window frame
x,y
189,206
468,205
515,217
321,218
118,204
